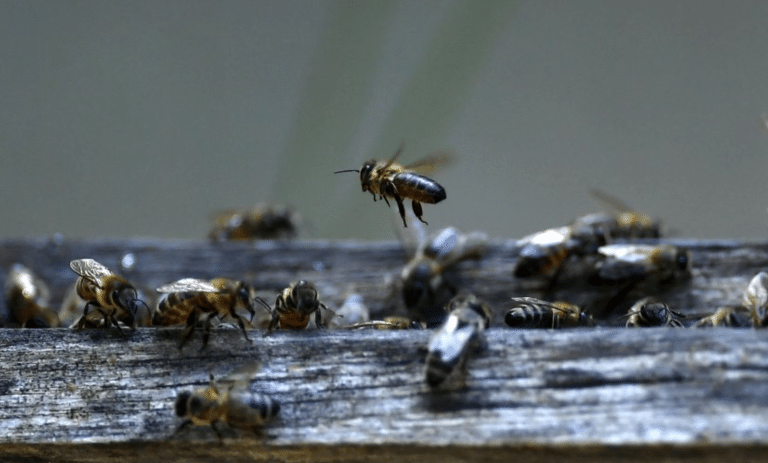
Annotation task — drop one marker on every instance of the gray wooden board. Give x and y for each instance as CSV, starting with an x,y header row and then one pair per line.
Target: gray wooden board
x,y
587,394
594,388
721,271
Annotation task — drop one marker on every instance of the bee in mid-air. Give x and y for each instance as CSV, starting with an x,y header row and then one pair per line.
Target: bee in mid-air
x,y
649,312
27,298
189,300
461,331
262,222
755,299
634,262
530,312
228,400
733,316
392,180
111,295
425,286
294,305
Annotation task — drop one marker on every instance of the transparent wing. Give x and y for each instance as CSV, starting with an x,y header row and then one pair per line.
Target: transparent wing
x,y
611,202
534,302
241,377
188,284
90,270
432,162
756,295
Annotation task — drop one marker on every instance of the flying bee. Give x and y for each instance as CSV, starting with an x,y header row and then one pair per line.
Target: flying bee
x,y
262,222
634,262
189,300
734,316
294,305
426,285
228,400
530,312
27,298
649,311
755,299
112,296
392,180
461,332
625,223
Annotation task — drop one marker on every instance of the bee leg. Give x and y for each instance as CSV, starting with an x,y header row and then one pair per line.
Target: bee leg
x,y
114,321
83,319
418,211
240,323
181,427
218,433
401,208
207,329
190,328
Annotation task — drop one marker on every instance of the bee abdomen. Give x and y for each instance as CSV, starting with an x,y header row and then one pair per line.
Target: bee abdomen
x,y
419,188
175,308
437,369
526,316
534,260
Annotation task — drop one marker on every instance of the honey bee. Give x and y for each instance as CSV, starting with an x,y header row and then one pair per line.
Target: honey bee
x,y
426,287
634,262
543,253
228,400
27,298
390,179
262,222
461,331
624,223
734,316
530,312
294,305
649,311
189,300
112,296
755,299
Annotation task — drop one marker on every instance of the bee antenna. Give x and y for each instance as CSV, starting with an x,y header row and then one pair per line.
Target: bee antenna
x,y
348,170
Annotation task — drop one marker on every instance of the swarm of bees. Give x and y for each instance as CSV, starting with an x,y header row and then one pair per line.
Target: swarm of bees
x,y
430,291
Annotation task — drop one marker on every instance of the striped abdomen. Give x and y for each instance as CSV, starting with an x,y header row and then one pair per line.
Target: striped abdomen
x,y
538,260
418,188
177,307
531,316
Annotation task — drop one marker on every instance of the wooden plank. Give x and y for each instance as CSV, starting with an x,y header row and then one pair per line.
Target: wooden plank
x,y
579,388
587,394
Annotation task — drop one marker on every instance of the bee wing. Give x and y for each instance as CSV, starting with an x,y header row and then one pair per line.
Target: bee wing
x,y
188,284
756,294
241,377
90,270
532,301
394,156
612,203
450,344
432,162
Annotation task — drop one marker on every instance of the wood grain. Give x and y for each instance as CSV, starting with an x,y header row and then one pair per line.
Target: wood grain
x,y
575,395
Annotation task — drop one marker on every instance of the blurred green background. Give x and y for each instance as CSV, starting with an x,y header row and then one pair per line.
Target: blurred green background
x,y
142,118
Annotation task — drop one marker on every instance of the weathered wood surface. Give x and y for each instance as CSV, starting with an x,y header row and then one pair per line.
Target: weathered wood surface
x,y
588,394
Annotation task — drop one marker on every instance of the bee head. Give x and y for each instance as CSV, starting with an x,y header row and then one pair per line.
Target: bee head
x,y
304,295
181,403
656,313
682,261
